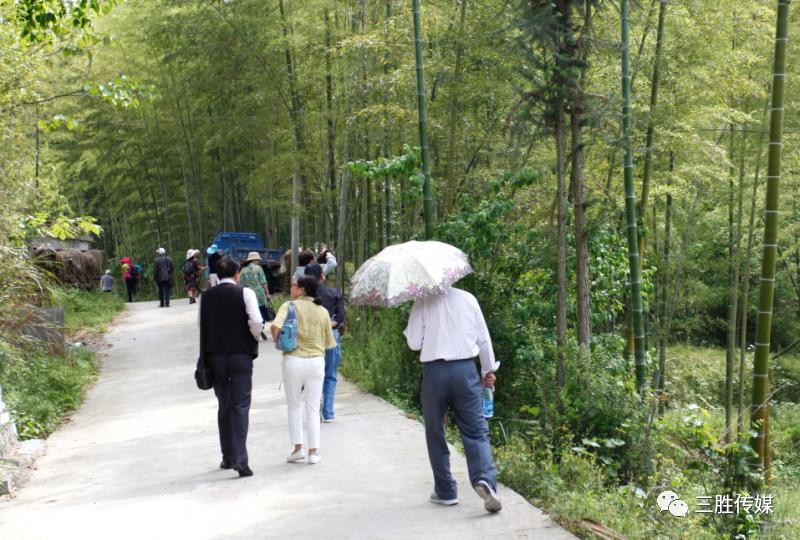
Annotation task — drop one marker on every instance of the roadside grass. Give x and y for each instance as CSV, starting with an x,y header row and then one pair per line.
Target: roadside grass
x,y
41,388
43,385
87,311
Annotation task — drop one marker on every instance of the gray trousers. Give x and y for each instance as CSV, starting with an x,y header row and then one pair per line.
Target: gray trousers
x,y
456,385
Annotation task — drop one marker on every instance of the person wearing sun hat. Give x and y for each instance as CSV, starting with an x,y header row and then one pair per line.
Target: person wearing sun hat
x,y
252,276
214,255
191,275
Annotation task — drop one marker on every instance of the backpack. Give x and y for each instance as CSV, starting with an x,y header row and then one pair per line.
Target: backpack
x,y
135,271
188,267
287,339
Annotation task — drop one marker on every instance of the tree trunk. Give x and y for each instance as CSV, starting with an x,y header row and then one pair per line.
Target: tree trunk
x,y
733,297
299,143
154,226
630,211
584,313
736,253
387,147
165,212
561,268
746,287
331,128
363,221
583,283
648,149
663,336
759,406
341,229
452,128
427,195
197,174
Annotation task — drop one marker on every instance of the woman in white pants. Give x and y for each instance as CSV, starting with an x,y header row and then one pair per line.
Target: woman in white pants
x,y
304,367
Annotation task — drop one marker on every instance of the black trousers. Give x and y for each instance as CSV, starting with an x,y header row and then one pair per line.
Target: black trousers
x,y
130,287
164,289
233,383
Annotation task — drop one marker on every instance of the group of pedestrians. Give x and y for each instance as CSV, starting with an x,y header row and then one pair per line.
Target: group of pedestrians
x,y
449,330
232,318
163,276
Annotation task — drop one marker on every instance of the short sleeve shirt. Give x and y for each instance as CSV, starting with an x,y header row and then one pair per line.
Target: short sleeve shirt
x,y
314,333
252,277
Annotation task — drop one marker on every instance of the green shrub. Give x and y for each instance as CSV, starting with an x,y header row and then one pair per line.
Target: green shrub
x,y
41,388
42,385
88,311
376,356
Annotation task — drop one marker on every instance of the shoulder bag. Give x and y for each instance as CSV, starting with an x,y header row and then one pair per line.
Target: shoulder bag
x,y
287,339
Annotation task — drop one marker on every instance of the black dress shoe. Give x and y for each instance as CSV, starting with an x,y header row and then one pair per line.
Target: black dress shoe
x,y
243,470
225,465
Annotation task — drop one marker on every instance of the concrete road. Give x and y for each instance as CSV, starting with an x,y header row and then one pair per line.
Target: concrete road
x,y
140,460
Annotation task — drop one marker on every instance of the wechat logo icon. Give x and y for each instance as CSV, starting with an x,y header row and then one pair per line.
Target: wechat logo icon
x,y
669,501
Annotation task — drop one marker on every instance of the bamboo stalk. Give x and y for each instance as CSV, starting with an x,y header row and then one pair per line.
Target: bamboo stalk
x,y
630,209
759,406
427,197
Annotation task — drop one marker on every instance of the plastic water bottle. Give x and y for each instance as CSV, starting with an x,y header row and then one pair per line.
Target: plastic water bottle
x,y
488,402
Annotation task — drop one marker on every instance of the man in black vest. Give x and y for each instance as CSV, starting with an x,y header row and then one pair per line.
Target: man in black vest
x,y
230,325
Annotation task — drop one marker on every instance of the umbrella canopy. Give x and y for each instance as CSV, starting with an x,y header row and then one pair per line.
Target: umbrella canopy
x,y
408,271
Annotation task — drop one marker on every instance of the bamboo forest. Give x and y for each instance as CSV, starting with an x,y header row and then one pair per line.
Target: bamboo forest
x,y
621,175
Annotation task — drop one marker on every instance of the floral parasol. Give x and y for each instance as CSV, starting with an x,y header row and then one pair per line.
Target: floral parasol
x,y
408,271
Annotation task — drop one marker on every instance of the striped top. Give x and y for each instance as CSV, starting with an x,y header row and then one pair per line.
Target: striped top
x,y
314,333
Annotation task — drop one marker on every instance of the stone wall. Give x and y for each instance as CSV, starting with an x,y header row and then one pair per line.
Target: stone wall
x,y
16,458
45,325
8,432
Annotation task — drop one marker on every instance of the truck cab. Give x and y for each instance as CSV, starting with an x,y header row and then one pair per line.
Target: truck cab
x,y
238,244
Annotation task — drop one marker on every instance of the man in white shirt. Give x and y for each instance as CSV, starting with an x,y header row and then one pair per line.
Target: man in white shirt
x,y
230,325
450,331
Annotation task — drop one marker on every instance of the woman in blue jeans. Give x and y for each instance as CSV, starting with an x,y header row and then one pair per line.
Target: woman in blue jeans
x,y
332,300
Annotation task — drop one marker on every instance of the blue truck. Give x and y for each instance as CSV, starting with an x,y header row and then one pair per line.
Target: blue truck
x,y
238,244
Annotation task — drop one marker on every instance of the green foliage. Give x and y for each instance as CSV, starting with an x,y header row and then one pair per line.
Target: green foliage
x,y
22,285
481,226
123,92
375,355
45,21
42,386
58,226
603,455
406,164
86,311
41,389
211,150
